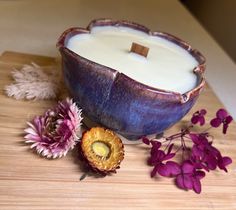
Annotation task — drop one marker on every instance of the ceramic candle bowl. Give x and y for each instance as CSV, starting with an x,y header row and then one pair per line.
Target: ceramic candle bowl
x,y
117,101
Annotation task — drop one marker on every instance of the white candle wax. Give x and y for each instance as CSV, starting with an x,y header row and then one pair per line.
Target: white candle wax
x,y
167,66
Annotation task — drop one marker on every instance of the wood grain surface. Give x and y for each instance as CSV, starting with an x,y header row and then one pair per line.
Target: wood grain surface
x,y
28,181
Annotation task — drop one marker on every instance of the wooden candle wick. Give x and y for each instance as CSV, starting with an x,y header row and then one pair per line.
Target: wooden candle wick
x,y
139,49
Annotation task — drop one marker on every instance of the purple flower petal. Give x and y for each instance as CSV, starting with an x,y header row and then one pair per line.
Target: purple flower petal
x,y
196,151
146,140
195,138
221,114
188,183
211,162
154,171
169,156
223,162
187,167
173,167
169,169
215,122
157,156
194,119
225,127
203,112
184,181
201,121
164,170
196,185
152,160
180,181
170,148
226,161
228,119
154,151
203,139
156,144
200,174
160,154
199,163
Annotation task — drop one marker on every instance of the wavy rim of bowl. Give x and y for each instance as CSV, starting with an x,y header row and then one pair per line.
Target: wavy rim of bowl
x,y
198,70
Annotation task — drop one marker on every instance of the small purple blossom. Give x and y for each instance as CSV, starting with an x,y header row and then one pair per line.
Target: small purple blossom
x,y
196,159
222,117
158,157
55,133
203,153
188,177
169,169
223,162
205,156
198,117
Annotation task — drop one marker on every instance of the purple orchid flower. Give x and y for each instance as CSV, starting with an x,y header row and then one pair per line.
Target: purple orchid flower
x,y
222,117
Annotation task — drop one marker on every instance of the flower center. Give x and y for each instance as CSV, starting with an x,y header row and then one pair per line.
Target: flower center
x,y
51,124
101,149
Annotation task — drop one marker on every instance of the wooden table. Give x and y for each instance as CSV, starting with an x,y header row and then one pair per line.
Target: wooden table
x,y
28,181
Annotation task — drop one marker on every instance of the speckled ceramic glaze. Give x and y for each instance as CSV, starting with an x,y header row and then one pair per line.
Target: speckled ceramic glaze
x,y
118,102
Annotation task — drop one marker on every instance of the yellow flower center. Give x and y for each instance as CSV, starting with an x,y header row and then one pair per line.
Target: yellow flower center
x,y
101,149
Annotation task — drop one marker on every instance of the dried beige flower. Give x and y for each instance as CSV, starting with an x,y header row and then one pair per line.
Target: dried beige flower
x,y
31,82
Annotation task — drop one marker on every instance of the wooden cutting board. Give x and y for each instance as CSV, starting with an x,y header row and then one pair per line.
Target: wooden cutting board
x,y
28,181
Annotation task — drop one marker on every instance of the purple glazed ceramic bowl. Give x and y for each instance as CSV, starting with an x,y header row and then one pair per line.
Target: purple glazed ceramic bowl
x,y
117,101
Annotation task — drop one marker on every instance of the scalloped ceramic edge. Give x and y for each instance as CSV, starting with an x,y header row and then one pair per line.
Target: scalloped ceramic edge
x,y
119,102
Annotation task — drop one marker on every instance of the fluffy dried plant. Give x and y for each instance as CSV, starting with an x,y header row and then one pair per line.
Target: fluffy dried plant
x,y
32,82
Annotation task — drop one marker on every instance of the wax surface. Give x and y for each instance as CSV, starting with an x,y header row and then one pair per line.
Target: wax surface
x,y
167,65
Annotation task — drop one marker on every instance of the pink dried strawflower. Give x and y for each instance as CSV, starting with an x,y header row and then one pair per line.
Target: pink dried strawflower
x,y
56,132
